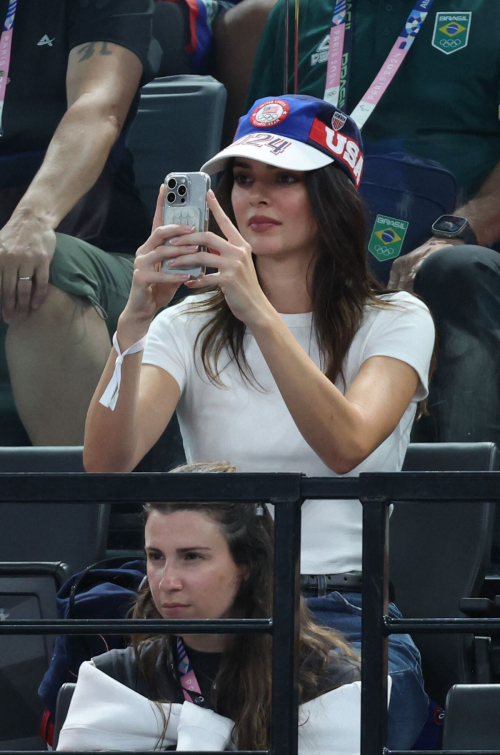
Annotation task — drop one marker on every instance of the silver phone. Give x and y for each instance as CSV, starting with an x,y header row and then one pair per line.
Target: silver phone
x,y
186,204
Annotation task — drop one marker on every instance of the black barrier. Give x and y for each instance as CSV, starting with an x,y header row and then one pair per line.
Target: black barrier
x,y
283,490
377,491
287,491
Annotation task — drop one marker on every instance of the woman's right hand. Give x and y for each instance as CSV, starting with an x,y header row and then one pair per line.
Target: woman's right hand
x,y
151,289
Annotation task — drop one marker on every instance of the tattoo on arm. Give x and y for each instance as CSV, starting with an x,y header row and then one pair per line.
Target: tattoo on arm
x,y
88,50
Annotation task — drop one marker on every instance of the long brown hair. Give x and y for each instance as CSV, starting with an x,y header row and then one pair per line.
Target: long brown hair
x,y
342,284
243,684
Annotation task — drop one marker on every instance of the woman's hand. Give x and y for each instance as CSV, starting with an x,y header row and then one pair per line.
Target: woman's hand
x,y
151,289
232,256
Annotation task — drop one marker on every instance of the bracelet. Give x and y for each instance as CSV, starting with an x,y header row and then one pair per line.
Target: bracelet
x,y
110,395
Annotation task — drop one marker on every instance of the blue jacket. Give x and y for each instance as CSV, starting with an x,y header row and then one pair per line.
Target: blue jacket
x,y
105,593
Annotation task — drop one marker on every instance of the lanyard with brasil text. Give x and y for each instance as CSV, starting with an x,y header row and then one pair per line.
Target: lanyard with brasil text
x,y
340,54
5,51
189,682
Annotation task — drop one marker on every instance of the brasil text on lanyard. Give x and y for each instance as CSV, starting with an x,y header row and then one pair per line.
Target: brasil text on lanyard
x,y
339,58
5,51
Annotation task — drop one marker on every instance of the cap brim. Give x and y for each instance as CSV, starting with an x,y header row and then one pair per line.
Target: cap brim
x,y
296,156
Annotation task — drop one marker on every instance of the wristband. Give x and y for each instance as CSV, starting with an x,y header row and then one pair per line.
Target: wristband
x,y
110,395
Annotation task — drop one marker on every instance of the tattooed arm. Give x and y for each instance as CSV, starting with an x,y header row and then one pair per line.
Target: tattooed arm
x,y
101,81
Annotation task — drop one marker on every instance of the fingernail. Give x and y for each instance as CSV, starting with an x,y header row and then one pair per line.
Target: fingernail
x,y
210,193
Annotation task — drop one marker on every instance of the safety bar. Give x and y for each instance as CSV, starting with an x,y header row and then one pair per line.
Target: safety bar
x,y
283,490
376,491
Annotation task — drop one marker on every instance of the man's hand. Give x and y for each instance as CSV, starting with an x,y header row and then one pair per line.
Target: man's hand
x,y
27,245
405,268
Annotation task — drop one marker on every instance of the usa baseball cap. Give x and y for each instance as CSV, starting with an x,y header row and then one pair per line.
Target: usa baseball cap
x,y
295,132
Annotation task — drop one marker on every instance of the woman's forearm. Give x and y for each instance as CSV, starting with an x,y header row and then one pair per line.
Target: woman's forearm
x,y
342,430
111,435
328,422
116,440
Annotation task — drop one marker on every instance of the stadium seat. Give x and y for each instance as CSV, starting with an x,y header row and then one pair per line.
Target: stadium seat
x,y
63,703
439,554
27,591
472,720
75,534
177,128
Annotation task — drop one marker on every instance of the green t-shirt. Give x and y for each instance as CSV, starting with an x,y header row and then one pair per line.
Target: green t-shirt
x,y
439,106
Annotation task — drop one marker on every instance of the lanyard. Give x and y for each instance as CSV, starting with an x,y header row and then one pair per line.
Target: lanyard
x,y
340,53
189,682
5,50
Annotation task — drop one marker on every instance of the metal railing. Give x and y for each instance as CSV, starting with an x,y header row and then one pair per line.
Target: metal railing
x,y
376,491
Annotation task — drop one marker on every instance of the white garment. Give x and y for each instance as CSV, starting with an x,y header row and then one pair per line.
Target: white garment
x,y
331,724
253,429
107,715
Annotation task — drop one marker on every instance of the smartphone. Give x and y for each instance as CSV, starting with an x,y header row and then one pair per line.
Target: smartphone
x,y
186,204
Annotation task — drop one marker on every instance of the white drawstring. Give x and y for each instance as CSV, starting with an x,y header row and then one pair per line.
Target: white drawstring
x,y
110,395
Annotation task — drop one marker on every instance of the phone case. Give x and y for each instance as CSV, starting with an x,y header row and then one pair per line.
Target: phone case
x,y
186,207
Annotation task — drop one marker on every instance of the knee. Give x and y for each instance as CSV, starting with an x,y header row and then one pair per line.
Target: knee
x,y
55,312
454,272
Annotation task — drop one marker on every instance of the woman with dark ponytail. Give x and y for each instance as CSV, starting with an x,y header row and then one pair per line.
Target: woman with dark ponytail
x,y
207,561
292,358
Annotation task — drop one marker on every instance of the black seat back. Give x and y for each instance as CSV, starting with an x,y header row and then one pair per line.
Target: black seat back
x,y
178,127
75,534
472,720
63,702
439,553
27,591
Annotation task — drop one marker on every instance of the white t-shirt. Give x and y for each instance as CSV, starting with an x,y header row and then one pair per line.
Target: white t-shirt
x,y
253,429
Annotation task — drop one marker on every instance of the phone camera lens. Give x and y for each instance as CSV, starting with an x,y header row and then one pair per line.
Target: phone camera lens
x,y
172,183
183,199
171,197
182,190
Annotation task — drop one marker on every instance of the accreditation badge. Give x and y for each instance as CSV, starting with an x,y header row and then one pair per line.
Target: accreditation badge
x,y
387,238
451,31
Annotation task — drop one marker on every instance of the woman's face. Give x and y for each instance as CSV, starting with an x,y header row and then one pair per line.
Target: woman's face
x,y
190,569
272,209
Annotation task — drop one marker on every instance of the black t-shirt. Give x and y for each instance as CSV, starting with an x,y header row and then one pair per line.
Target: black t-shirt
x,y
206,667
162,668
122,666
45,31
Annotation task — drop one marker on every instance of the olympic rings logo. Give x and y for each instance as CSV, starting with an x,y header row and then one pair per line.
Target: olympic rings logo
x,y
450,43
386,251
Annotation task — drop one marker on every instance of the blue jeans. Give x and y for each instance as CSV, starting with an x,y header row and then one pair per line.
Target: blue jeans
x,y
409,702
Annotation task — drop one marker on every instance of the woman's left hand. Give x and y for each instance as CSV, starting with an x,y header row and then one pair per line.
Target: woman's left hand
x,y
232,256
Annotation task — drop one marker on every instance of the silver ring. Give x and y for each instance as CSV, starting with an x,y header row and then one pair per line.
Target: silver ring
x,y
25,278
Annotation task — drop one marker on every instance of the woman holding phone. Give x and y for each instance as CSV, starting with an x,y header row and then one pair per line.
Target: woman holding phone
x,y
211,692
295,359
